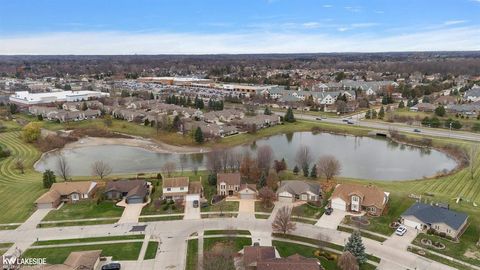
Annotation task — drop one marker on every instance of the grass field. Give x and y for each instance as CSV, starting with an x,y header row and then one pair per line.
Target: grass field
x,y
57,255
89,240
192,255
87,209
151,251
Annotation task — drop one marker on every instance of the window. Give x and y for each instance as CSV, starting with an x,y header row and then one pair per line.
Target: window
x,y
169,189
182,188
354,199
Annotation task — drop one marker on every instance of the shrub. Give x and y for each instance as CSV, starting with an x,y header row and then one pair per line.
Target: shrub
x,y
165,207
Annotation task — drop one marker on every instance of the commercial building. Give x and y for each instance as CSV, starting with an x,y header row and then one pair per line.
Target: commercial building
x,y
25,98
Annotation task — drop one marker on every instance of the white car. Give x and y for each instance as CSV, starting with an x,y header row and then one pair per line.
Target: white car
x,y
401,230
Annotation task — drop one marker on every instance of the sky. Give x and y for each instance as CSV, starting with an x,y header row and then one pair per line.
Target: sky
x,y
87,27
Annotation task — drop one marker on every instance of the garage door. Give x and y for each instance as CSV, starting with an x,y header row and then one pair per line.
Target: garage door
x,y
411,224
192,197
285,199
134,200
247,196
338,204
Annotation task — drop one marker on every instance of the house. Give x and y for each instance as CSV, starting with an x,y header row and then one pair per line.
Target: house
x,y
423,107
228,184
472,94
77,260
264,258
357,198
294,190
293,262
445,100
247,191
425,216
175,188
133,191
70,192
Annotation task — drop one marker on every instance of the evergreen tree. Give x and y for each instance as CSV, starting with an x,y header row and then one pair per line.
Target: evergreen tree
x,y
313,171
40,117
381,113
409,103
374,114
356,247
212,179
199,135
305,170
48,179
368,114
263,180
401,105
152,96
296,170
146,122
289,117
176,123
267,111
440,111
84,106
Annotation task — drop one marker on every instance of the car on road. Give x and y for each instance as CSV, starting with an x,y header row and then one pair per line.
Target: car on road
x,y
328,211
350,122
111,266
318,118
344,120
417,130
195,204
401,230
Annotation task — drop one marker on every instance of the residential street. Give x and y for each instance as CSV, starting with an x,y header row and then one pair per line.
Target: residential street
x,y
173,235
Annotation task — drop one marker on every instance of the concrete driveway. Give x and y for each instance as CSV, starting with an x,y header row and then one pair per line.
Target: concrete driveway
x,y
246,208
401,242
131,213
190,211
34,219
331,221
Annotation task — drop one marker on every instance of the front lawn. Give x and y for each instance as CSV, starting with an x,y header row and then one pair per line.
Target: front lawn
x,y
76,223
164,218
259,207
192,254
237,243
89,240
57,255
151,251
465,250
84,210
308,211
223,206
228,232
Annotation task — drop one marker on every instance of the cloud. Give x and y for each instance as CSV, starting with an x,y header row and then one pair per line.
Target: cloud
x,y
327,6
353,9
462,38
453,22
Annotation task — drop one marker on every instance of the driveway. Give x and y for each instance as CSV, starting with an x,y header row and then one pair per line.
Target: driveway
x,y
401,242
331,221
246,208
131,213
34,219
190,211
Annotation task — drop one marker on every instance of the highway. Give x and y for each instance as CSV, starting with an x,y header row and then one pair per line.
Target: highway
x,y
358,121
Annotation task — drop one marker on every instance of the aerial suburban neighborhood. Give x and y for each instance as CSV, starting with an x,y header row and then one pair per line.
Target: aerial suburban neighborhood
x,y
240,135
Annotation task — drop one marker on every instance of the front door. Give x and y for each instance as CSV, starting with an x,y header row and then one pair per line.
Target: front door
x,y
230,193
355,204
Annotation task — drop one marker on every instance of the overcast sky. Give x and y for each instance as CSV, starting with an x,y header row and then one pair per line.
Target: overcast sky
x,y
236,26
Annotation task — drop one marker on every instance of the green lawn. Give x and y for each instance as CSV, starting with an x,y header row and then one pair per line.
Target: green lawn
x,y
89,240
192,254
87,209
363,234
56,255
286,249
166,218
467,245
237,243
439,259
151,251
260,208
76,223
229,232
224,206
309,211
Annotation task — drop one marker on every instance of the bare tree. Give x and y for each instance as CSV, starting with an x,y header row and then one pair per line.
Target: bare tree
x,y
183,162
473,159
237,161
272,179
304,156
168,168
267,196
329,166
264,157
63,169
20,165
214,161
283,221
347,261
101,169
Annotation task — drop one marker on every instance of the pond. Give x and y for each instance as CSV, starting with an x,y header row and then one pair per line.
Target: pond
x,y
361,157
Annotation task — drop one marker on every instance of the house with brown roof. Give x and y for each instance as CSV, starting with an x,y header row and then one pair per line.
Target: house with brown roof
x,y
180,188
133,191
70,192
230,184
357,198
264,258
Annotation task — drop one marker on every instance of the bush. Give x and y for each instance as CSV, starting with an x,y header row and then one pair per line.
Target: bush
x,y
430,231
165,207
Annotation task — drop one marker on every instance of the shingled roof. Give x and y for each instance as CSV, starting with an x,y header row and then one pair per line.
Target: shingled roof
x,y
434,214
370,195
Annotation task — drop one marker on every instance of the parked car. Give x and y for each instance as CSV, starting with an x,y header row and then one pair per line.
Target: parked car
x,y
345,120
350,122
328,211
416,130
401,230
195,204
111,266
318,118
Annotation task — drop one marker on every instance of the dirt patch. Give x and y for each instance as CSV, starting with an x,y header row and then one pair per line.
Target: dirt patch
x,y
472,254
221,247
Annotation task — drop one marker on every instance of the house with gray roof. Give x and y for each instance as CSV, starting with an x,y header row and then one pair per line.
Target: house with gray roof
x,y
296,190
472,94
425,216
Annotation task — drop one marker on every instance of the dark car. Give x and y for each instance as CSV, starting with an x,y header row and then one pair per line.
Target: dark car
x,y
350,122
328,211
416,130
111,266
318,118
195,204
